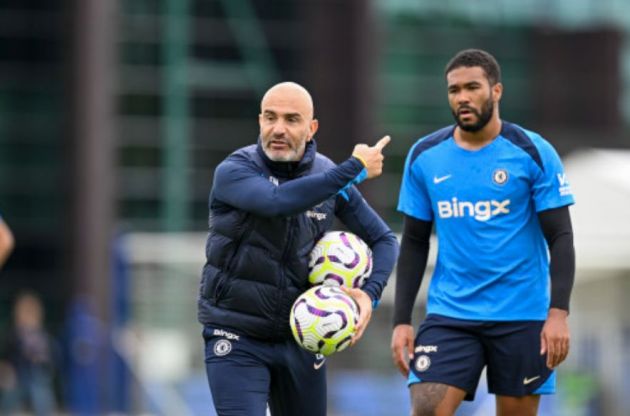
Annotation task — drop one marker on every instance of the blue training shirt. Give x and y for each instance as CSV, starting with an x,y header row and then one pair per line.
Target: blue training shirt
x,y
492,259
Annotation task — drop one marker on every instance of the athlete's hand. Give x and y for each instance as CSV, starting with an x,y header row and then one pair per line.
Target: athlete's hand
x,y
372,156
554,338
364,302
402,347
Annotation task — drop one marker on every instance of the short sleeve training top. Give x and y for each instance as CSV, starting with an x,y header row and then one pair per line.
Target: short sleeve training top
x,y
492,259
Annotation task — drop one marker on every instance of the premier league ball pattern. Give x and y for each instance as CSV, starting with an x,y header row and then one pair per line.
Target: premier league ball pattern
x,y
323,319
340,258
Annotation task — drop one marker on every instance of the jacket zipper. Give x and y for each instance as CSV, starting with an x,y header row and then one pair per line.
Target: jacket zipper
x,y
283,276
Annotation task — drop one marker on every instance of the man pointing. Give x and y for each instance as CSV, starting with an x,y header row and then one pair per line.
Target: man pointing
x,y
257,257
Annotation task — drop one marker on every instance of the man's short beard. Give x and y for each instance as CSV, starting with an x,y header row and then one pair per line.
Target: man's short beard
x,y
293,155
483,118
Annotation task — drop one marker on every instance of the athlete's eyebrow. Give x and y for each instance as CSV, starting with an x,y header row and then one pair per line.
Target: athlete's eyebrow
x,y
469,84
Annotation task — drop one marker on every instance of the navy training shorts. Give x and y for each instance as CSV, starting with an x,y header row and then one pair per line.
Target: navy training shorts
x,y
246,374
455,351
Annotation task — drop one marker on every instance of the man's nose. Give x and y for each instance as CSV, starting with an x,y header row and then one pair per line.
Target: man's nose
x,y
279,127
462,98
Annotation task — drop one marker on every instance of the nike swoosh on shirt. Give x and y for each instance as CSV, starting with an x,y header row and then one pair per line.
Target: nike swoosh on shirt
x,y
526,380
437,180
317,365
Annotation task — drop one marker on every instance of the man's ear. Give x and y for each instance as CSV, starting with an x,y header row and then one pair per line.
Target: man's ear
x,y
314,125
497,91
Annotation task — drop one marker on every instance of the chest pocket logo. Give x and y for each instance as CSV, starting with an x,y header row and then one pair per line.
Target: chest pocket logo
x,y
500,176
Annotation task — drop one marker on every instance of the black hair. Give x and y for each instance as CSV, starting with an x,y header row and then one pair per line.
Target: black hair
x,y
476,57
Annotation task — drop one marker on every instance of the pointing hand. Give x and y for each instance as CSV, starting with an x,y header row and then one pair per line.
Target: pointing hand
x,y
372,156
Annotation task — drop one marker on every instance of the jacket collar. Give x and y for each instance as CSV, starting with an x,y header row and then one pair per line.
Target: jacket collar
x,y
290,169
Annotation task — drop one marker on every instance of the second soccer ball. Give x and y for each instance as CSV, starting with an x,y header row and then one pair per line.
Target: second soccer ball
x,y
324,319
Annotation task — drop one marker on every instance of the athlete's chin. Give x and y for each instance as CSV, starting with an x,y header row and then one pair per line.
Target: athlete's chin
x,y
469,127
472,129
467,119
281,155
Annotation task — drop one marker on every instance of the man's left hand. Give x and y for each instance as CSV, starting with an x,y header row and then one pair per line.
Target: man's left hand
x,y
365,310
554,338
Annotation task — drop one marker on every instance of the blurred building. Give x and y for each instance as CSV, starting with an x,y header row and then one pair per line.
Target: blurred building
x,y
33,148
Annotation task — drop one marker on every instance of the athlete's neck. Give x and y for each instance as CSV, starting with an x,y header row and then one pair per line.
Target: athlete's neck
x,y
476,140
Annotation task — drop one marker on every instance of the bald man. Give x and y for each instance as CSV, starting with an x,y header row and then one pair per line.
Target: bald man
x,y
270,202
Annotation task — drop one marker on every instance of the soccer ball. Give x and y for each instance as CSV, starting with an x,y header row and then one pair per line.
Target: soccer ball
x,y
323,319
340,258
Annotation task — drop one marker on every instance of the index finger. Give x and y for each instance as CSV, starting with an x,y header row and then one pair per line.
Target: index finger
x,y
410,348
404,364
357,335
383,142
551,355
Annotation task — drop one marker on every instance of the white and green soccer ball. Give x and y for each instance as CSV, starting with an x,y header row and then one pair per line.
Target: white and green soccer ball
x,y
323,319
340,258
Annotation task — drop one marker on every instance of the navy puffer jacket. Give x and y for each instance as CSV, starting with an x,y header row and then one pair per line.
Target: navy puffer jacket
x,y
265,218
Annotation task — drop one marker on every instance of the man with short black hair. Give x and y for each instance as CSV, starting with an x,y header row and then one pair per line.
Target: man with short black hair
x,y
499,295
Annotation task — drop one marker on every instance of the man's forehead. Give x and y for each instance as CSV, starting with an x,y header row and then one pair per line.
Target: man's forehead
x,y
465,74
286,107
287,98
